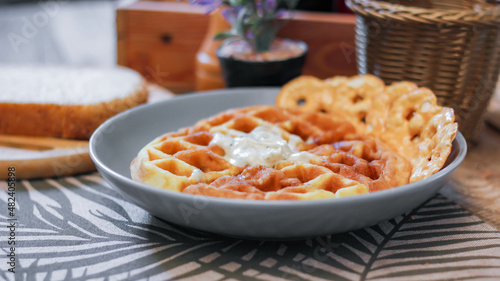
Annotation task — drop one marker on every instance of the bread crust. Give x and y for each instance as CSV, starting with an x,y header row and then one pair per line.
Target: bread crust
x,y
64,121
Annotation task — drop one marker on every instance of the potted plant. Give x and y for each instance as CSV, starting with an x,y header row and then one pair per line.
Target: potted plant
x,y
251,53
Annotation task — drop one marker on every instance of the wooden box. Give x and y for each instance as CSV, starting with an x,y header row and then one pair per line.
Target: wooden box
x,y
160,40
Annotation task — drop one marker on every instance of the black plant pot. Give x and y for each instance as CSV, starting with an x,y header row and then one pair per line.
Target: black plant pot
x,y
242,73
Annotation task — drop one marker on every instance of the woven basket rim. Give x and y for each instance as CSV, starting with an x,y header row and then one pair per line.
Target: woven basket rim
x,y
398,12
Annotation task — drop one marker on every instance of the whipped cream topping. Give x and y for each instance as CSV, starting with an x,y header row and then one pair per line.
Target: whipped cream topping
x,y
262,146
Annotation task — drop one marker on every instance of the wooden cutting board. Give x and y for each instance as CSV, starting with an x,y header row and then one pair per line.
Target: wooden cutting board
x,y
41,157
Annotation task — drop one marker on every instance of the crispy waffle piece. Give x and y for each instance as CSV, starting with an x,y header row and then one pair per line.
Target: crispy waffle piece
x,y
360,100
402,115
357,99
365,160
295,181
421,130
338,163
177,160
398,89
307,93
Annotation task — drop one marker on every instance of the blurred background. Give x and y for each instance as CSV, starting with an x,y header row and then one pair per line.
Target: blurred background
x,y
58,32
76,32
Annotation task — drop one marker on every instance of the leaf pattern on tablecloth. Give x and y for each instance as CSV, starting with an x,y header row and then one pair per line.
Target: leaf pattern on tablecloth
x,y
80,228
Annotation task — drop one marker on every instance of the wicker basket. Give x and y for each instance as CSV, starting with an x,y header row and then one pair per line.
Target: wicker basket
x,y
449,46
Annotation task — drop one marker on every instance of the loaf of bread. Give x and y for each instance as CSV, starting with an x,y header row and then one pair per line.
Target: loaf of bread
x,y
65,102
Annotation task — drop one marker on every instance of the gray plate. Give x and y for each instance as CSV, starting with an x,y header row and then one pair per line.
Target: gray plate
x,y
116,142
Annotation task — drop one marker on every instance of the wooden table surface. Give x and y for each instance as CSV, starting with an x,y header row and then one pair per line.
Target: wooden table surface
x,y
476,183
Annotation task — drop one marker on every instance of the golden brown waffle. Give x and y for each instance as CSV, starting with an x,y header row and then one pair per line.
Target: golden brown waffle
x,y
402,115
332,160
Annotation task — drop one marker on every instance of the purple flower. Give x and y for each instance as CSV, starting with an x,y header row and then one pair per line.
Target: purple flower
x,y
267,8
269,4
230,14
202,2
279,13
254,21
211,4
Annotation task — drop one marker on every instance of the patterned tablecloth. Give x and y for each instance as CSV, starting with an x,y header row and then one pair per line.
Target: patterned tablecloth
x,y
79,228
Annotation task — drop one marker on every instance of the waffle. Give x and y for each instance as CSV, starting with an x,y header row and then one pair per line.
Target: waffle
x,y
319,156
405,117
